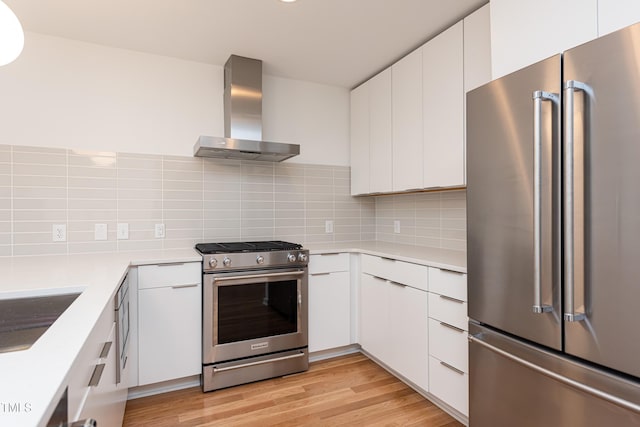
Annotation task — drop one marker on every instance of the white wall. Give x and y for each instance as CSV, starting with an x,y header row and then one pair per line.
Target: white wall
x,y
69,94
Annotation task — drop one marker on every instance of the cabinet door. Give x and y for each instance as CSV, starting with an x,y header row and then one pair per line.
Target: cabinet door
x,y
527,31
477,48
329,311
408,329
407,122
170,336
360,139
380,135
105,402
374,317
443,107
616,14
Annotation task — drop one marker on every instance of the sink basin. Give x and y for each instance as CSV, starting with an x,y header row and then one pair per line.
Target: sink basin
x,y
23,320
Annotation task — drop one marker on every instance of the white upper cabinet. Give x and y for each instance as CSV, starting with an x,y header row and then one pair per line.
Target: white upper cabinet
x,y
477,48
407,122
380,137
443,109
616,14
360,140
527,31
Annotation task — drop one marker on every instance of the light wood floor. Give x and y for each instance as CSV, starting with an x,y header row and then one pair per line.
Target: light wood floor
x,y
349,390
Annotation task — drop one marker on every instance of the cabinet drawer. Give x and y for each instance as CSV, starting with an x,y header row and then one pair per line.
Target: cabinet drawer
x,y
449,283
451,311
450,386
328,263
406,273
166,275
449,345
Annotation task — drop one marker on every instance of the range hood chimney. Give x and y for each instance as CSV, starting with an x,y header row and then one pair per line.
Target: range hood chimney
x,y
243,118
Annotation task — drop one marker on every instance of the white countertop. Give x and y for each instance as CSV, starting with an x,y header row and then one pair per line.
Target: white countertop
x,y
38,376
433,257
32,379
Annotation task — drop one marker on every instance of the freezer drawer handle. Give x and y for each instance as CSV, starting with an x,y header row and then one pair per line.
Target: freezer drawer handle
x,y
538,97
568,381
573,261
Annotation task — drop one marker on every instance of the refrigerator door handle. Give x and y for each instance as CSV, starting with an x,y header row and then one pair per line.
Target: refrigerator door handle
x,y
538,97
572,262
561,378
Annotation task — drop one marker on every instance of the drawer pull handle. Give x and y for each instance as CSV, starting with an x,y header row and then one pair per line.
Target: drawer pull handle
x,y
105,350
456,370
97,374
379,278
444,270
190,285
446,325
388,259
320,274
396,283
331,254
169,264
459,301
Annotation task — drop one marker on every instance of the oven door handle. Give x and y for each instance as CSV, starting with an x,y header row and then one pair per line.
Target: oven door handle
x,y
258,276
260,362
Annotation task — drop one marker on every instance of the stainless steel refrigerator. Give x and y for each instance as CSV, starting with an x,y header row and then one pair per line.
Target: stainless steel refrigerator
x,y
553,210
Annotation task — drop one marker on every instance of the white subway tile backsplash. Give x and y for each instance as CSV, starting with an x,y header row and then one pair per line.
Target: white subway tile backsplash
x,y
201,199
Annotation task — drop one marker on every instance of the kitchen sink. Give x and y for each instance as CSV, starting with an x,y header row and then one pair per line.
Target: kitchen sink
x,y
23,320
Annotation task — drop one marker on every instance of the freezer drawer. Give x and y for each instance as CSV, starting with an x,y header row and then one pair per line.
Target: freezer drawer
x,y
512,383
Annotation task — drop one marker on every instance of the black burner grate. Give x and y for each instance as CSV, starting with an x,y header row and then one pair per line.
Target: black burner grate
x,y
231,247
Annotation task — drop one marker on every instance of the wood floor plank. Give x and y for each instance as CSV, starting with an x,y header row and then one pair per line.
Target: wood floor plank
x,y
348,390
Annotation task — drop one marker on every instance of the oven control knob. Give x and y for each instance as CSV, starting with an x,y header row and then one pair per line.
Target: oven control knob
x,y
260,259
213,263
226,262
302,257
291,258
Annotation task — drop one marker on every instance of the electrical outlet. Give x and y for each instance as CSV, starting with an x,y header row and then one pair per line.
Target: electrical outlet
x,y
59,232
123,231
328,226
396,226
100,232
159,231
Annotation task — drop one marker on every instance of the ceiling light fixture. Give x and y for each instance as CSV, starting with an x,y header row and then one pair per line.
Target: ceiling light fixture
x,y
288,1
11,35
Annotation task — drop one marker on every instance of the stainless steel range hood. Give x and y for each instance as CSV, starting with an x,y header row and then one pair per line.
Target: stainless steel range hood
x,y
243,118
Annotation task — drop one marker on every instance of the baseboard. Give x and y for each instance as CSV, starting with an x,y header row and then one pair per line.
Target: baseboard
x,y
163,387
333,352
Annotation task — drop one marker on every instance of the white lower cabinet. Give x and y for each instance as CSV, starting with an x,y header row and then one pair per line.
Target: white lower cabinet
x,y
169,322
448,345
329,311
374,317
92,389
329,301
393,316
408,333
449,385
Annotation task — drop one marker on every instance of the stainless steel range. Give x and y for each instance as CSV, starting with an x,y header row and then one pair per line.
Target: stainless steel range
x,y
255,309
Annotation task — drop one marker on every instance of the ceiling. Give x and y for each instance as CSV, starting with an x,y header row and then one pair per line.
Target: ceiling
x,y
336,42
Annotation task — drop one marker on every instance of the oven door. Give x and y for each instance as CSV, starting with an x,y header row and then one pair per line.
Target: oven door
x,y
248,314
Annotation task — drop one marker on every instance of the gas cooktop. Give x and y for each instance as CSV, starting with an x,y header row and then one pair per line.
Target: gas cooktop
x,y
237,247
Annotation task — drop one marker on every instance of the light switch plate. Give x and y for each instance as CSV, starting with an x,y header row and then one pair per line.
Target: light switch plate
x,y
100,232
59,232
328,226
159,231
123,231
396,226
